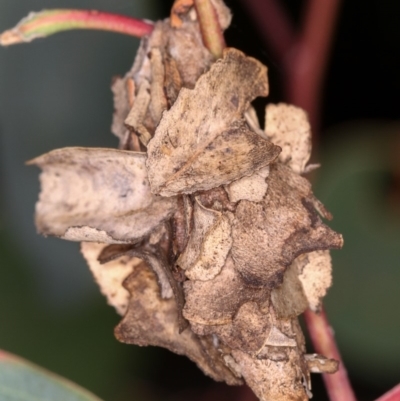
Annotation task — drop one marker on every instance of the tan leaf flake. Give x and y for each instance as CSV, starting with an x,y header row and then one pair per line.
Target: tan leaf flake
x,y
268,236
157,85
289,299
208,245
203,141
315,275
288,127
136,115
172,79
319,364
252,188
100,195
110,276
151,320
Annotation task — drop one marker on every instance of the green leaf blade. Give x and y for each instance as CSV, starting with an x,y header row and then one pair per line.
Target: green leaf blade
x,y
23,381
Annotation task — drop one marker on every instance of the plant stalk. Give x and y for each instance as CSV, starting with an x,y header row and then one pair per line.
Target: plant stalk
x,y
210,27
48,22
337,384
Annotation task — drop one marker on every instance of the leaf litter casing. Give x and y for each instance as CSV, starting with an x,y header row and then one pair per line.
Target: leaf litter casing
x,y
215,238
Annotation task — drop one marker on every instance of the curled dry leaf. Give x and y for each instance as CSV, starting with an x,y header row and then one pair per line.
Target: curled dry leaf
x,y
110,277
100,195
228,247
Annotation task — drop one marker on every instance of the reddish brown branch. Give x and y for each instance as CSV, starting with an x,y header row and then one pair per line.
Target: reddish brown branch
x,y
305,67
273,24
337,384
48,22
392,395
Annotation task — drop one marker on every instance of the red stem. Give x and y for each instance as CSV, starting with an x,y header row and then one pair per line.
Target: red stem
x,y
392,395
306,64
48,22
337,384
273,24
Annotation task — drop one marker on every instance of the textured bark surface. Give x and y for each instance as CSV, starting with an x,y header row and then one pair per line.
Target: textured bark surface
x,y
208,240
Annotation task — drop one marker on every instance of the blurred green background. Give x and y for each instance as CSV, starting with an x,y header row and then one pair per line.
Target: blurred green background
x,y
55,93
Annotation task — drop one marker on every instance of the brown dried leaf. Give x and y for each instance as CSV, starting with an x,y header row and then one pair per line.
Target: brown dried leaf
x,y
289,299
100,195
208,246
247,331
268,236
182,53
287,126
280,373
203,141
215,302
151,320
110,277
279,380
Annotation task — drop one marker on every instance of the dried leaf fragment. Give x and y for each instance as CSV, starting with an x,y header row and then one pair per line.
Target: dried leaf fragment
x,y
268,236
252,188
151,320
287,126
100,195
110,277
215,302
208,246
203,141
315,275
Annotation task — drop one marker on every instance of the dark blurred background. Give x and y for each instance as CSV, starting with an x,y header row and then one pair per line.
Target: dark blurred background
x,y
55,93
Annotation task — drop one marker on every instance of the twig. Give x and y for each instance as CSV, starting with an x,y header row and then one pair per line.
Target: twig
x,y
392,395
337,384
210,27
48,22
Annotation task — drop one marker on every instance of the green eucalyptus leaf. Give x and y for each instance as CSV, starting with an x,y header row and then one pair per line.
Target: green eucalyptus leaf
x,y
21,380
359,165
